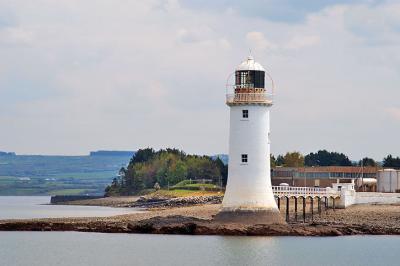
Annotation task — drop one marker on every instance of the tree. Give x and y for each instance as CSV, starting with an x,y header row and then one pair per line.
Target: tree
x,y
293,159
325,158
390,161
143,155
272,161
367,162
279,160
223,169
165,167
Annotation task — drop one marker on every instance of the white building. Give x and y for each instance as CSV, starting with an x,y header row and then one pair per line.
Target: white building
x,y
248,196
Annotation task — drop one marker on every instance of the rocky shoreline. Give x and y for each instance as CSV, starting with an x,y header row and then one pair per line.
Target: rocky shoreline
x,y
197,220
194,226
146,202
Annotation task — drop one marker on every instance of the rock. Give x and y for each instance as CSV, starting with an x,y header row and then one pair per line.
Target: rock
x,y
176,202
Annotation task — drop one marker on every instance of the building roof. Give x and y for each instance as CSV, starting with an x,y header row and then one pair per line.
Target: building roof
x,y
250,64
330,169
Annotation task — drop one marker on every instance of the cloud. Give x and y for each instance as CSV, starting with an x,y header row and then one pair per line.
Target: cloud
x,y
257,40
81,75
394,112
15,35
298,42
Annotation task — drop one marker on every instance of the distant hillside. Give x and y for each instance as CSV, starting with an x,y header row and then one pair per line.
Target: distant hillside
x,y
48,175
112,153
3,153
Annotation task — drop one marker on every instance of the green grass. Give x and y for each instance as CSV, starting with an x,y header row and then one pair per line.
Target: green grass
x,y
75,191
183,183
192,184
201,185
176,193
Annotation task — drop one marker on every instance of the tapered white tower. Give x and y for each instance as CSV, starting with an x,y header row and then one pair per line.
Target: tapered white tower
x,y
248,196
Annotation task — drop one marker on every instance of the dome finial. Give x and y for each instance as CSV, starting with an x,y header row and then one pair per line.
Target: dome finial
x,y
250,57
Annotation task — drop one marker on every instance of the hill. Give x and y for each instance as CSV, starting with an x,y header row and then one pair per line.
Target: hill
x,y
48,175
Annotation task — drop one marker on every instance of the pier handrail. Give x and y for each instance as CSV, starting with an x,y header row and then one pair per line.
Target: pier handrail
x,y
304,191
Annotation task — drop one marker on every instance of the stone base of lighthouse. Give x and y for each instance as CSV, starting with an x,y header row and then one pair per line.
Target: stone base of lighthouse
x,y
246,216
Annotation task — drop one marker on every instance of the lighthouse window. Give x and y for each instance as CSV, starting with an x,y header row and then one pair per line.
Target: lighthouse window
x,y
245,113
249,79
244,158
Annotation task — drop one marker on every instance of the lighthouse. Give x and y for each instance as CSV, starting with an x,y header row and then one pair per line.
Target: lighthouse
x,y
248,196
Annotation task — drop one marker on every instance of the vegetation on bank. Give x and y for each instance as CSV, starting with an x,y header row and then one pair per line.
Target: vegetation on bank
x,y
326,158
166,168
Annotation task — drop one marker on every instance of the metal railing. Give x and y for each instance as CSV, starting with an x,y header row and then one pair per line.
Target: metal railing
x,y
255,97
304,191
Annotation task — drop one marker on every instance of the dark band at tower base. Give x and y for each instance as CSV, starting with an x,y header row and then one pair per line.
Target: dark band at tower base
x,y
250,217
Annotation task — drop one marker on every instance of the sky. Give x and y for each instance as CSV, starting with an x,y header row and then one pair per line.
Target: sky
x,y
77,76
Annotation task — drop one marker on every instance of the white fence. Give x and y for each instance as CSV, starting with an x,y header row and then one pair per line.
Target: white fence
x,y
281,191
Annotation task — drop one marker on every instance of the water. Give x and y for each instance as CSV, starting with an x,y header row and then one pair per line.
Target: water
x,y
36,207
73,248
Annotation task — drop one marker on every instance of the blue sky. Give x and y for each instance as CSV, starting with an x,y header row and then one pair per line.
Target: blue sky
x,y
286,11
77,75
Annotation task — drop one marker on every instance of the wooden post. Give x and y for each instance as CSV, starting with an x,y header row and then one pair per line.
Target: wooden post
x,y
304,209
279,203
312,209
326,204
295,209
287,208
319,207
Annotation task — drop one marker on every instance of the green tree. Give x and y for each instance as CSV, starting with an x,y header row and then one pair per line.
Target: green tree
x,y
293,159
165,167
325,158
272,161
367,162
390,161
280,161
143,155
223,169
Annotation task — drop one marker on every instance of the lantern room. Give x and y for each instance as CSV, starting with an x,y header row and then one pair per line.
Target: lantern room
x,y
249,77
247,85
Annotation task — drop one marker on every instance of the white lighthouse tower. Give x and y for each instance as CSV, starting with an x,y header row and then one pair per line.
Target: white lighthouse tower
x,y
248,196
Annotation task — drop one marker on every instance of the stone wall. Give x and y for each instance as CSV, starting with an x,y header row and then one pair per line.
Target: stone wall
x,y
59,199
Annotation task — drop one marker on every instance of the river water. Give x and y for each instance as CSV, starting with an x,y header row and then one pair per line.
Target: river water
x,y
38,207
75,248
